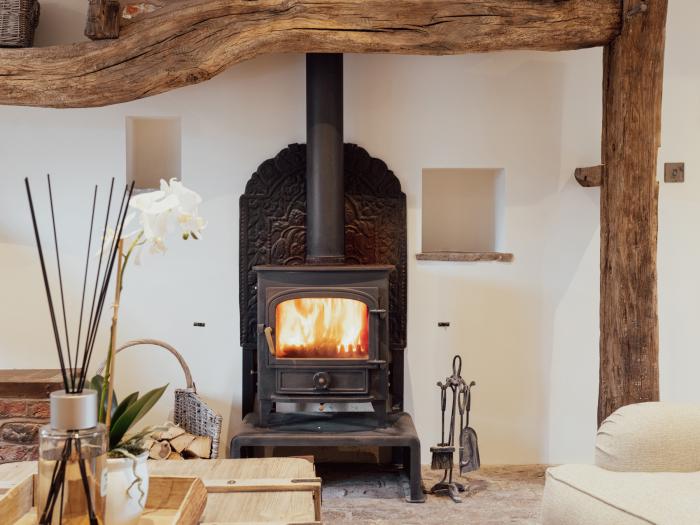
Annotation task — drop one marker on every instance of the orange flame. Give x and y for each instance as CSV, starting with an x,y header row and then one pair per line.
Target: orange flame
x,y
322,328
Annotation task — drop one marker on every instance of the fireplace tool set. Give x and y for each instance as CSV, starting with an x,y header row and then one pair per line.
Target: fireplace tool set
x,y
443,453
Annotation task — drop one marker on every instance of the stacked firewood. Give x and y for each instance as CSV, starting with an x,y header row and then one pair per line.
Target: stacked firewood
x,y
175,443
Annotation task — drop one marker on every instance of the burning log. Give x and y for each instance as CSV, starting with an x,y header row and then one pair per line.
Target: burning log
x,y
329,327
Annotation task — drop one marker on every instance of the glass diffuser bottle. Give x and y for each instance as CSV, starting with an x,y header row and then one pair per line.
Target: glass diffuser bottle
x,y
72,462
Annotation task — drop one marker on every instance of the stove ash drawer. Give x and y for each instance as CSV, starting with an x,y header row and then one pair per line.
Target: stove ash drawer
x,y
320,381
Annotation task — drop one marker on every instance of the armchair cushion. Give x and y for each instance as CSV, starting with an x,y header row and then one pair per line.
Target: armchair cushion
x,y
590,495
650,437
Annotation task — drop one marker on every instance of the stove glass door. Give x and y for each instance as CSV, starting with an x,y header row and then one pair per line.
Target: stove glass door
x,y
322,328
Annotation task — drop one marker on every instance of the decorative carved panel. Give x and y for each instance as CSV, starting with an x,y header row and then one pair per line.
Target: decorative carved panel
x,y
273,227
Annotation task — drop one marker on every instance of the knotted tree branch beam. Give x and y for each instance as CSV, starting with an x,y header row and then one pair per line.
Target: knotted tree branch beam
x,y
191,41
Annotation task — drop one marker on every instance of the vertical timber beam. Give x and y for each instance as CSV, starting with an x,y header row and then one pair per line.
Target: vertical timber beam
x,y
102,19
632,85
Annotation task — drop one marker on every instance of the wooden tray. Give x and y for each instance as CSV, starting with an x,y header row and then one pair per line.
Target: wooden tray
x,y
220,510
256,490
172,500
253,491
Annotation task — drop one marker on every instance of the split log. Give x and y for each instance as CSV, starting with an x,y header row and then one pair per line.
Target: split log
x,y
181,442
169,434
199,448
160,450
589,177
193,40
176,443
632,83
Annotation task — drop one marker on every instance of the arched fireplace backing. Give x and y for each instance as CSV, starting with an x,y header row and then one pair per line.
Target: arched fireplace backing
x,y
273,232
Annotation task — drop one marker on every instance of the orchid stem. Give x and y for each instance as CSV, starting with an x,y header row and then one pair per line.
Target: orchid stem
x,y
108,383
107,393
133,245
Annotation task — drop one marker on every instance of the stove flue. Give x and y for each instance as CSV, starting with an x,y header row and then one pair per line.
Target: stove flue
x,y
325,189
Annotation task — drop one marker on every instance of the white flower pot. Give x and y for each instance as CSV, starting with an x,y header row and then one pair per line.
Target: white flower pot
x,y
126,496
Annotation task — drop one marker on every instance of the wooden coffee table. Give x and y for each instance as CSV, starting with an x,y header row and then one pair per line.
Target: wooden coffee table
x,y
256,490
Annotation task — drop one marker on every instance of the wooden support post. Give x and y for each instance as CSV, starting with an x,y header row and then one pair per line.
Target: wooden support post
x,y
632,84
102,19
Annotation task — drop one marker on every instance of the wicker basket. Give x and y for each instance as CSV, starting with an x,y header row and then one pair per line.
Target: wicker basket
x,y
191,412
18,20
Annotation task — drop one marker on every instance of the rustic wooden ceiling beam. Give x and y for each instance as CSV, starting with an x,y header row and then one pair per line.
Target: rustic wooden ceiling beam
x,y
191,41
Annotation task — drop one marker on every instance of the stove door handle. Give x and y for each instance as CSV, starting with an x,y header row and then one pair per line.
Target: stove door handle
x,y
381,312
270,342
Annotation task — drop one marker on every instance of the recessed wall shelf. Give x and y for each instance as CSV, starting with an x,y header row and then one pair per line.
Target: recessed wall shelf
x,y
463,212
153,151
465,256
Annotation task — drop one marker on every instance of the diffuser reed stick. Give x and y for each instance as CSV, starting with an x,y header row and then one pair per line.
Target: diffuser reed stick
x,y
60,280
46,286
88,254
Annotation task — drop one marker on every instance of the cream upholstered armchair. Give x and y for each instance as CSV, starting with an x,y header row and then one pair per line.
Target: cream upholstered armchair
x,y
647,470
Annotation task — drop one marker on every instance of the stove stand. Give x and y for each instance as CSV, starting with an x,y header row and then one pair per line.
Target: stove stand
x,y
335,430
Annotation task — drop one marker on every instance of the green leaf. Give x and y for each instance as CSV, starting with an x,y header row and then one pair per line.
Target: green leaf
x,y
97,383
126,403
132,414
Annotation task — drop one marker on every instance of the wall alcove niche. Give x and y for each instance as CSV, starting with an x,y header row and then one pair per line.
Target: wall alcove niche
x,y
462,214
153,151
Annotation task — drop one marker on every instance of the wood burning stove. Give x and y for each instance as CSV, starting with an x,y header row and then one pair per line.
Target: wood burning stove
x,y
323,291
323,331
324,336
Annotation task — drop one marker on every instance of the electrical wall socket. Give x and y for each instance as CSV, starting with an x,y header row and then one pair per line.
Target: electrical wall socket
x,y
674,172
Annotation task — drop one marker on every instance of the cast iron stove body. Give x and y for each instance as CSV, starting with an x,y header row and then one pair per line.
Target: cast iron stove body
x,y
323,332
323,263
356,371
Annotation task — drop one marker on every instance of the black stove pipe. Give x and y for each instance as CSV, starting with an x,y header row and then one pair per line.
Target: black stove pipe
x,y
325,189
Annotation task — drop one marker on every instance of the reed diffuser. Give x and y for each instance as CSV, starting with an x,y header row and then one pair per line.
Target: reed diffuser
x,y
73,446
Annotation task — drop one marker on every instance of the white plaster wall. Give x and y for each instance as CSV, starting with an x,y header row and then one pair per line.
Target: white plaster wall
x,y
528,331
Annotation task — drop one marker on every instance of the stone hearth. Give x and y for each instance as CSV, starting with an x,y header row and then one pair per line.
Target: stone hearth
x,y
497,495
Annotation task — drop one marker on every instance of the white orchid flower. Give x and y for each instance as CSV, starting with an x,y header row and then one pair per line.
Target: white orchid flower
x,y
110,234
159,212
189,220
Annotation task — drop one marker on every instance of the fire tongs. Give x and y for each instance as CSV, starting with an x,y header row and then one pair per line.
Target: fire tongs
x,y
444,451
